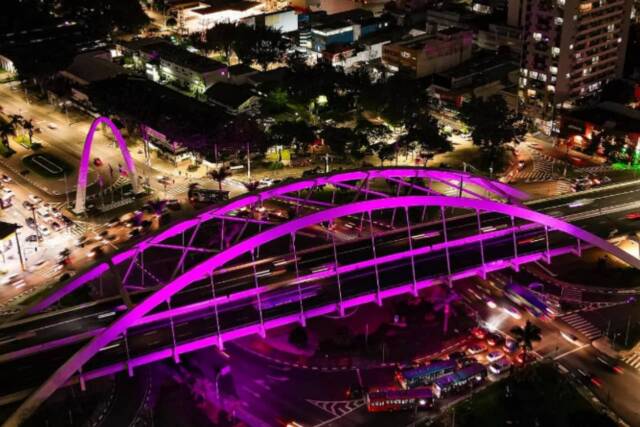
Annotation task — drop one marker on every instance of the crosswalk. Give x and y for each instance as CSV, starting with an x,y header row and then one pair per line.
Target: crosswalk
x,y
541,170
176,190
632,359
582,325
594,169
571,293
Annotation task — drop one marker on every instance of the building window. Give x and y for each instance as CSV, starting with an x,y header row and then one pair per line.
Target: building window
x,y
537,36
553,69
551,88
558,20
555,51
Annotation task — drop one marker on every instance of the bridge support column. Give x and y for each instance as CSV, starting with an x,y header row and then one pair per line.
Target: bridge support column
x,y
262,332
443,219
515,265
303,318
375,257
176,356
413,261
126,350
338,280
215,310
483,268
578,249
83,384
546,239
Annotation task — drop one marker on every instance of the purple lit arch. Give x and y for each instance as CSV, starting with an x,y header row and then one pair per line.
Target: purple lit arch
x,y
449,178
202,270
81,193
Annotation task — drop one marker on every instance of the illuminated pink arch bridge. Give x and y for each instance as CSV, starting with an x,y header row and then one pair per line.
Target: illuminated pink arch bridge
x,y
85,162
476,194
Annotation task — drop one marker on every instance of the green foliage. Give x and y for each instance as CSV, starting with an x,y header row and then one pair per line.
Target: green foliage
x,y
275,102
493,125
262,45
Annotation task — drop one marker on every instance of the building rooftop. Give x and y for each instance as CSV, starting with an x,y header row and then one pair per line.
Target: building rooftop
x,y
229,95
610,115
241,69
93,66
222,5
182,57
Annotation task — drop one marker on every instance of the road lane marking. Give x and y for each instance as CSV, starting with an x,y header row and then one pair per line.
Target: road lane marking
x,y
571,351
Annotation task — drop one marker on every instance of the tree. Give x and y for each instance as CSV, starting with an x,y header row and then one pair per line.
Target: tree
x,y
289,133
493,126
219,175
42,61
275,102
29,127
385,152
526,336
425,134
338,139
222,37
172,22
104,17
7,129
262,45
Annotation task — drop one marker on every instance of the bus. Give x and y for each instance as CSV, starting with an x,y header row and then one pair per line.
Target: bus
x,y
466,378
424,375
528,300
399,400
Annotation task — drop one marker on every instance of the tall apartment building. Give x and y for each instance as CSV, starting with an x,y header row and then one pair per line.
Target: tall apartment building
x,y
571,48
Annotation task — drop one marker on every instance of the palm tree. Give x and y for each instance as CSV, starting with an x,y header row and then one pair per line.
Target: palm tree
x,y
28,126
525,337
444,304
219,175
7,129
251,185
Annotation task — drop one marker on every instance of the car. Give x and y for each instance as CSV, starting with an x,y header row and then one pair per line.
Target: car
x,y
586,377
570,337
520,358
494,339
25,172
52,126
633,216
31,223
495,355
466,361
33,238
113,222
512,311
27,205
479,332
7,191
44,230
490,303
67,275
96,252
97,161
610,363
6,179
500,366
103,233
55,226
476,348
579,203
510,346
355,391
456,355
35,200
134,232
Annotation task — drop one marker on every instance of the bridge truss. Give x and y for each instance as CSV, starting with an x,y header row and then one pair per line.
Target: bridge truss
x,y
376,233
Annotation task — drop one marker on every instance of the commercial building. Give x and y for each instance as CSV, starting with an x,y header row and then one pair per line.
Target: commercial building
x,y
285,21
235,99
164,62
367,49
480,77
572,47
499,37
427,54
345,29
205,15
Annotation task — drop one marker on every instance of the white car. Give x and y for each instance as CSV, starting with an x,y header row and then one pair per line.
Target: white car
x,y
580,202
570,337
44,230
52,125
512,311
7,191
500,366
476,348
494,356
33,199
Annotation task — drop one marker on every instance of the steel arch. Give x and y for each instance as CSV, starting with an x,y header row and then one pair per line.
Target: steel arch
x,y
200,271
496,188
81,192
